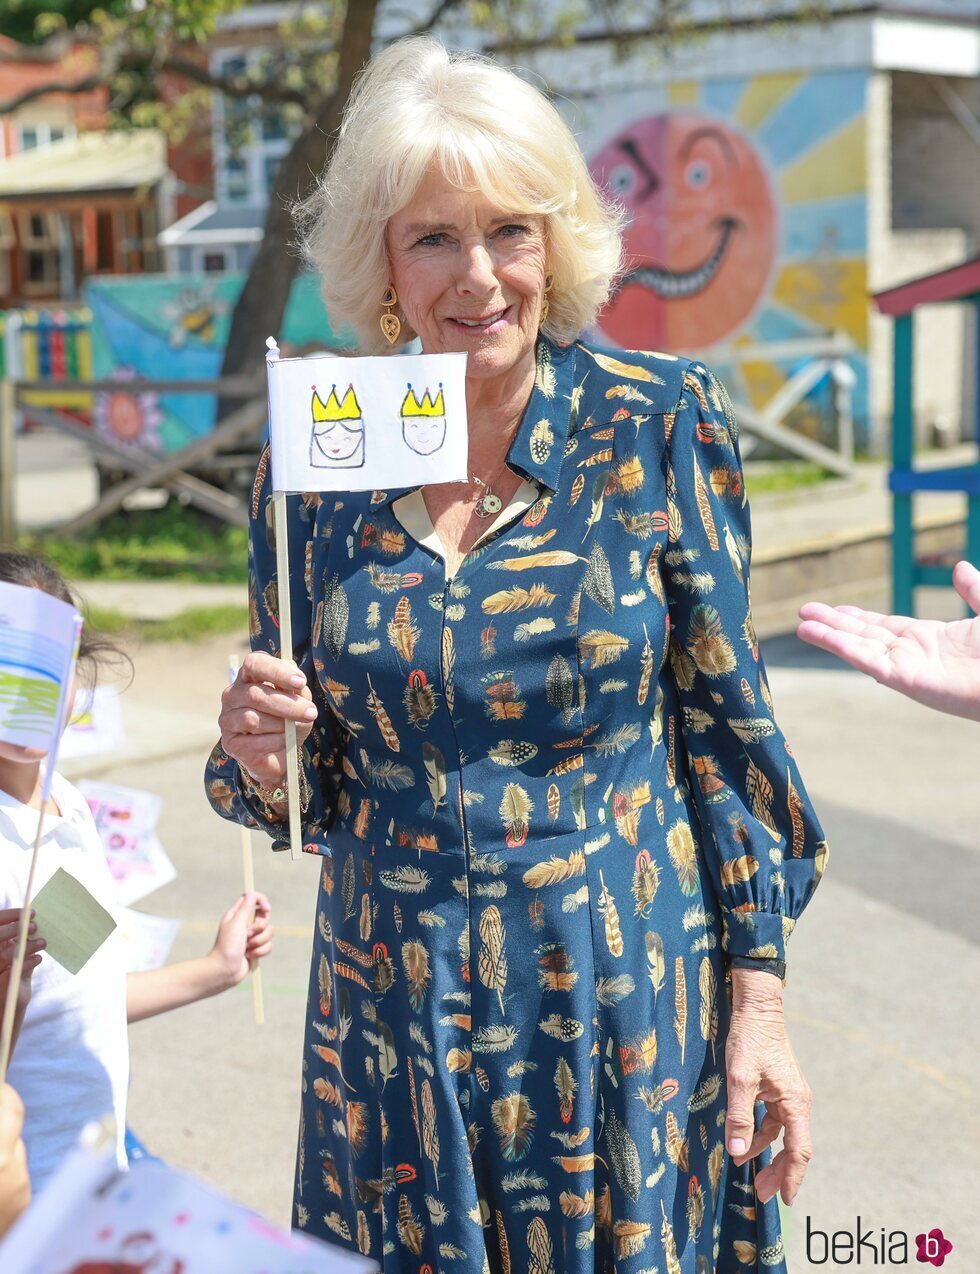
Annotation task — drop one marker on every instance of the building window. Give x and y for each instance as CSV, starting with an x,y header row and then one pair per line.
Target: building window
x,y
250,136
33,136
214,262
39,242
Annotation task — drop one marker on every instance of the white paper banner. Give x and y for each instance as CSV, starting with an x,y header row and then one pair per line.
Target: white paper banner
x,y
92,1219
37,644
126,818
96,724
363,424
144,941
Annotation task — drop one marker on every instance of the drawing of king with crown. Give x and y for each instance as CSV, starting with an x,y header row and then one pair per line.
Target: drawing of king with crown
x,y
423,422
337,441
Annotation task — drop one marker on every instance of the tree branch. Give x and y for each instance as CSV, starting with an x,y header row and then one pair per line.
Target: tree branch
x,y
234,86
435,17
238,86
87,85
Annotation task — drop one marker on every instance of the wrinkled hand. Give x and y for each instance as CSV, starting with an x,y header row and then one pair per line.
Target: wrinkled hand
x,y
937,664
9,920
762,1066
266,694
15,1183
244,937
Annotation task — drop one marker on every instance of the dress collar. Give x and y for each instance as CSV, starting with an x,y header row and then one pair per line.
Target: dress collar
x,y
538,446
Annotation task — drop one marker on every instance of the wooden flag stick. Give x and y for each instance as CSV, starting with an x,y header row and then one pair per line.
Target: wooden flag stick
x,y
248,871
286,652
17,968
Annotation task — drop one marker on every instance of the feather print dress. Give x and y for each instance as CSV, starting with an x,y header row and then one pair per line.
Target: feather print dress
x,y
550,796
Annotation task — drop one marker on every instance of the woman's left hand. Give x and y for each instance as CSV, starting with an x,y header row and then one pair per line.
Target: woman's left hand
x,y
762,1066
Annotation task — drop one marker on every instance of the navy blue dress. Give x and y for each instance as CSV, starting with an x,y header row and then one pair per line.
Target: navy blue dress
x,y
550,796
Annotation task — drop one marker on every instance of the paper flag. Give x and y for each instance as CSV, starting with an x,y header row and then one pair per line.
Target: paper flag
x,y
72,923
361,424
125,818
92,1219
37,647
96,724
144,941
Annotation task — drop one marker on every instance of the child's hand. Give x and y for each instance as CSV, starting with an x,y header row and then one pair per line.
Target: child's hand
x,y
244,937
9,920
15,1184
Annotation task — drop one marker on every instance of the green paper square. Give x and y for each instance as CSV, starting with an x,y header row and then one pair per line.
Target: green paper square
x,y
70,921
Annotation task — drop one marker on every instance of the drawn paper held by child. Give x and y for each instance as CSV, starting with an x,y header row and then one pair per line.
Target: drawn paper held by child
x,y
96,724
126,819
94,1219
37,644
364,424
144,940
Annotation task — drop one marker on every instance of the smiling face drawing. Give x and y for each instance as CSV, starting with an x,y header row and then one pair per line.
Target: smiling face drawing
x,y
337,440
424,434
701,241
423,421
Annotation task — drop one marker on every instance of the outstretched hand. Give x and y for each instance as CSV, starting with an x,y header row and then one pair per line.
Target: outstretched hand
x,y
934,663
244,936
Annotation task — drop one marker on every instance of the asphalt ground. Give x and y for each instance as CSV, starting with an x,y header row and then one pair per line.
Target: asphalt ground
x,y
884,966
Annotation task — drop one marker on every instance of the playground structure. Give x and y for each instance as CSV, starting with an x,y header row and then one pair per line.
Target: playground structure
x,y
958,284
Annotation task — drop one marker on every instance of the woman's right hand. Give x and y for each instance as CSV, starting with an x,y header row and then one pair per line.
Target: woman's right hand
x,y
255,707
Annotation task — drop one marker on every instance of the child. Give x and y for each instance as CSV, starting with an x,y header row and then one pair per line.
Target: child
x,y
71,1059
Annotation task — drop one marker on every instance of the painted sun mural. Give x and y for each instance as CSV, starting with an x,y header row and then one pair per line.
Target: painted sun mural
x,y
747,219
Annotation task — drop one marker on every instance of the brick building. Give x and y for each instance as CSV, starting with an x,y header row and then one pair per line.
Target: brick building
x,y
77,200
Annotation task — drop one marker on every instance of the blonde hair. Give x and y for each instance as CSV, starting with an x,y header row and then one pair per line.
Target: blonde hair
x,y
489,130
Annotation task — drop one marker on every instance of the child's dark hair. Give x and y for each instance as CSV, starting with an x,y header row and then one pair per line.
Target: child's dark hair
x,y
30,571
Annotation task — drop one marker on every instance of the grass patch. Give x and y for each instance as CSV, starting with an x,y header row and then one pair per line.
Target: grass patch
x,y
197,623
172,543
771,477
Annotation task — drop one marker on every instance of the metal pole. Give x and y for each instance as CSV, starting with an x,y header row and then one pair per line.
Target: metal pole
x,y
903,450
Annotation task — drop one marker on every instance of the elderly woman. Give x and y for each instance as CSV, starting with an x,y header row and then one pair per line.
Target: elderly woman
x,y
563,840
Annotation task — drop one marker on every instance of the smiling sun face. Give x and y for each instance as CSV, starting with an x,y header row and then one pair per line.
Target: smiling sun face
x,y
701,240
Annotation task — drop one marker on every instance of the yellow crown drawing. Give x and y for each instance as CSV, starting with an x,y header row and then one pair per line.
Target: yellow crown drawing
x,y
424,406
334,409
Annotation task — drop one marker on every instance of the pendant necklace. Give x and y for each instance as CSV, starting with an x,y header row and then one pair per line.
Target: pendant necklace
x,y
489,504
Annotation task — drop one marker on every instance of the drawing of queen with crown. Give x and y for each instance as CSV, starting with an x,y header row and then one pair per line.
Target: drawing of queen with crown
x,y
337,441
423,422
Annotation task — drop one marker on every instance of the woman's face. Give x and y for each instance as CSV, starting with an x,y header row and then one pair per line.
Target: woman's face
x,y
469,276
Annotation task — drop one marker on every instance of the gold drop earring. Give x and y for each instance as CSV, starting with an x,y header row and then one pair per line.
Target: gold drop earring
x,y
549,282
391,324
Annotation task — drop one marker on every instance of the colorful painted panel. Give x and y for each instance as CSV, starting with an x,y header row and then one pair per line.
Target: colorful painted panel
x,y
747,205
174,327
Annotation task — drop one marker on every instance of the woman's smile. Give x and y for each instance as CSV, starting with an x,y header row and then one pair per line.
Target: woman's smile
x,y
493,322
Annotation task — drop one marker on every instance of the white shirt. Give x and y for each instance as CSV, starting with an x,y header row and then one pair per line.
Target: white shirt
x,y
71,1063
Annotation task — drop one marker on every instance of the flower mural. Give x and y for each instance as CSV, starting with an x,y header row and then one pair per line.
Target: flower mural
x,y
130,417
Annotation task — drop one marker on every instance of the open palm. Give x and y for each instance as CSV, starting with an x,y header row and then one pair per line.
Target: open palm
x,y
935,663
